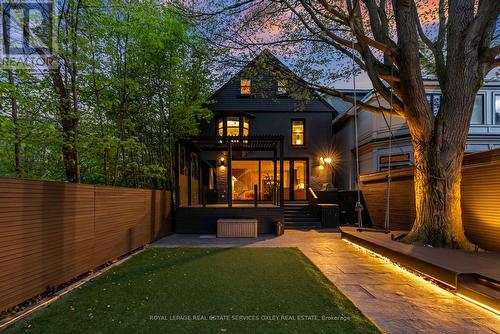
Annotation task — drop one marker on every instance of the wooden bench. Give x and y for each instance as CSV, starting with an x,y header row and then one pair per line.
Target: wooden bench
x,y
236,228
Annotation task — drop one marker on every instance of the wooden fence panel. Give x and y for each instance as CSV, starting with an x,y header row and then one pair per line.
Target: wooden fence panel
x,y
480,198
127,219
52,232
121,218
46,236
481,204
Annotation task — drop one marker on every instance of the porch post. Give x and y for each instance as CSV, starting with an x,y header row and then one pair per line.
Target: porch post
x,y
229,175
275,200
282,167
190,176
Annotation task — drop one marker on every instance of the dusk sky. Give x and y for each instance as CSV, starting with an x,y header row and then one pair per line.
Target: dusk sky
x,y
278,28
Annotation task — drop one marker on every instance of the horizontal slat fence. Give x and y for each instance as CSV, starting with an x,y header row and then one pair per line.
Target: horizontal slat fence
x,y
480,198
52,232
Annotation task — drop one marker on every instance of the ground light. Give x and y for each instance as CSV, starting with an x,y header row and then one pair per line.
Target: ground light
x,y
30,310
428,280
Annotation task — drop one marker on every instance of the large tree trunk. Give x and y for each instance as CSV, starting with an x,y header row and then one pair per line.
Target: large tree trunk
x,y
17,131
437,179
69,122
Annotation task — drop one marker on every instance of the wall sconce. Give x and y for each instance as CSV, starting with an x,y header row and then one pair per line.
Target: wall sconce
x,y
222,162
325,161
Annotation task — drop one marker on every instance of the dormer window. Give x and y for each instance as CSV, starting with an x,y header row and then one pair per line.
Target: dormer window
x,y
245,86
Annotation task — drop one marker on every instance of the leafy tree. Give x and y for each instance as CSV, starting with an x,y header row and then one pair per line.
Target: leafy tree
x,y
126,82
393,42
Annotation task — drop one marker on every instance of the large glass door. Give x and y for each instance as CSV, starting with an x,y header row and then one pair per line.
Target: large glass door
x,y
299,183
247,173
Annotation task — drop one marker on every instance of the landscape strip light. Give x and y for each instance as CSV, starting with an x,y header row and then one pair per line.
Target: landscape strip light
x,y
430,281
64,291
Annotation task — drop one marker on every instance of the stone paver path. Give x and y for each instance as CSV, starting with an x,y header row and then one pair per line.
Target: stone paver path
x,y
391,297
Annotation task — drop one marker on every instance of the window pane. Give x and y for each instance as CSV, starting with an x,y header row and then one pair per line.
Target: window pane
x,y
245,175
233,126
245,87
497,109
267,179
299,180
221,127
477,112
297,132
246,127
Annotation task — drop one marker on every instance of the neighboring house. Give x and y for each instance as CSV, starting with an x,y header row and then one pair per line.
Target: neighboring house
x,y
373,133
257,127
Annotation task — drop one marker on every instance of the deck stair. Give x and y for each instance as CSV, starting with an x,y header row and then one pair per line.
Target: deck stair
x,y
298,216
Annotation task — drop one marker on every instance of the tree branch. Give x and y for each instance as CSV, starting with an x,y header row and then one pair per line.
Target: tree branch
x,y
321,25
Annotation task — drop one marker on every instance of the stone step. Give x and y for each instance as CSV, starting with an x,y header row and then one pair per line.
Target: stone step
x,y
302,226
301,220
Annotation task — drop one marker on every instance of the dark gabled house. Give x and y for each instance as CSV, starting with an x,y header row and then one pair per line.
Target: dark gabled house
x,y
267,143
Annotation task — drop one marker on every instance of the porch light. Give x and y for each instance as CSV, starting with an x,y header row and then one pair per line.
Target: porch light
x,y
222,162
325,161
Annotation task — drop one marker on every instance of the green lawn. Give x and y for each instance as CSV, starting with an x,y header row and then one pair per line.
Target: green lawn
x,y
184,288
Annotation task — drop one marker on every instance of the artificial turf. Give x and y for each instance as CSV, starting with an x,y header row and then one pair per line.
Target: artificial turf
x,y
236,290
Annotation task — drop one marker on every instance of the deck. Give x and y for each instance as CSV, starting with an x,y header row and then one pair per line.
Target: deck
x,y
203,219
475,275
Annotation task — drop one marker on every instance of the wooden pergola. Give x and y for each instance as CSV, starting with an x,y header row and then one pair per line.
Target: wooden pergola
x,y
272,143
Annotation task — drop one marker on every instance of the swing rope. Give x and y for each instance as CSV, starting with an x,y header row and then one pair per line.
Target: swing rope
x,y
358,207
387,220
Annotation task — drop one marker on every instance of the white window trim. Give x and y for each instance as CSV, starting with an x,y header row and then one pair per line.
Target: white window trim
x,y
485,108
493,109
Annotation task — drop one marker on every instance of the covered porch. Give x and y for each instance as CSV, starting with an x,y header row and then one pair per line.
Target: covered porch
x,y
206,174
200,177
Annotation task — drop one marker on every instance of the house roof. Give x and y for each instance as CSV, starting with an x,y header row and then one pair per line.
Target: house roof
x,y
341,105
242,143
349,112
227,97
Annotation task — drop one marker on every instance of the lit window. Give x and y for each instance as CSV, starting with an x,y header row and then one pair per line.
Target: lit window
x,y
245,87
233,126
246,127
221,127
497,109
298,132
280,88
478,111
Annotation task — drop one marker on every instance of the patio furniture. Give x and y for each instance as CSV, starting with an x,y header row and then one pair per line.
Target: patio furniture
x,y
236,228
